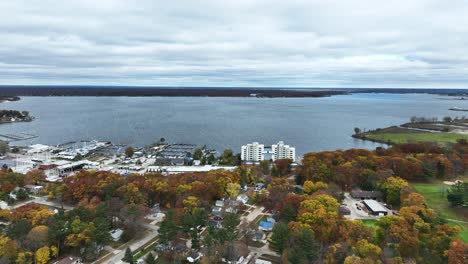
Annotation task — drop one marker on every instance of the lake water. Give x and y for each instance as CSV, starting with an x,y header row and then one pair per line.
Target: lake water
x,y
309,124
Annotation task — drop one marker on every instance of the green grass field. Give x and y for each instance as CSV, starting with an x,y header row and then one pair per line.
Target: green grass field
x,y
370,223
397,138
435,195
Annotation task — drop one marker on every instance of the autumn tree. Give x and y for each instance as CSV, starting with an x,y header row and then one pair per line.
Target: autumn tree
x,y
283,166
457,253
44,254
311,187
129,151
368,250
233,189
8,248
37,238
392,188
35,176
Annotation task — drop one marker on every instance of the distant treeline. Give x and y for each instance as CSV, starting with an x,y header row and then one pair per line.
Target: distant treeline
x,y
159,91
451,92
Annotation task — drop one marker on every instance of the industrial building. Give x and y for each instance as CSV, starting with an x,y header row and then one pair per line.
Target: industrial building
x,y
375,208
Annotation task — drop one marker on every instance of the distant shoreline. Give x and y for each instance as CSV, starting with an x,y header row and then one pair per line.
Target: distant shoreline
x,y
14,91
172,92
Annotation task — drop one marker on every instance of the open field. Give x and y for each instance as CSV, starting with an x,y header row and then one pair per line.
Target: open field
x,y
435,195
397,138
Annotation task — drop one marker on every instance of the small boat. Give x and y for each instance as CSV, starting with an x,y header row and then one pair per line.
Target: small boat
x,y
458,109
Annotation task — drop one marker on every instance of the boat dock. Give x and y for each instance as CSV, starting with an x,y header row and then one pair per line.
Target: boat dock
x,y
16,137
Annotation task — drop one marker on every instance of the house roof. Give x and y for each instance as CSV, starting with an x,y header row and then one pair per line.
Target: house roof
x,y
375,206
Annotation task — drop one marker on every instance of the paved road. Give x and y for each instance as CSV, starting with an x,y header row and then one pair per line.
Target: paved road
x,y
456,221
118,254
43,200
253,214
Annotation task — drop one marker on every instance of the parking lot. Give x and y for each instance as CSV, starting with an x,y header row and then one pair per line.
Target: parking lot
x,y
358,209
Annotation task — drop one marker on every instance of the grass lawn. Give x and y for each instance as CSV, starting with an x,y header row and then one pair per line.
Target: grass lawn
x,y
396,138
370,223
435,195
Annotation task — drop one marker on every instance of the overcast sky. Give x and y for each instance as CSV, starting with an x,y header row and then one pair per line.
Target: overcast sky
x,y
323,43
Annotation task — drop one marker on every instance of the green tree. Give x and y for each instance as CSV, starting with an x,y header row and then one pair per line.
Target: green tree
x,y
458,194
128,257
229,230
18,230
101,235
58,229
288,214
22,195
168,228
150,259
303,248
228,158
279,237
197,154
3,147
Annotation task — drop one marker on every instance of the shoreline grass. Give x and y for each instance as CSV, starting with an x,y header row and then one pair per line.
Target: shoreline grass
x,y
398,138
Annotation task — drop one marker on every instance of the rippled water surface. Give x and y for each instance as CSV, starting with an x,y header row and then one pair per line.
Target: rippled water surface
x,y
309,124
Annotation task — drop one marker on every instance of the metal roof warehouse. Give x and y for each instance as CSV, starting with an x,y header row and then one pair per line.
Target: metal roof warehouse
x,y
375,207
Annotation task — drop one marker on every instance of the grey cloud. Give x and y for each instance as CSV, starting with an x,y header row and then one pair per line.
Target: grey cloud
x,y
303,43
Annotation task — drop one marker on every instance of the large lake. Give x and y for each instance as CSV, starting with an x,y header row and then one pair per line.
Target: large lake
x,y
309,124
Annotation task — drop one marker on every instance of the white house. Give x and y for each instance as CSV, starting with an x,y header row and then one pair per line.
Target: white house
x,y
116,234
242,198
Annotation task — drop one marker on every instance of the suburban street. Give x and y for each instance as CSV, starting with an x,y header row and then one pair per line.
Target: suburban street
x,y
116,255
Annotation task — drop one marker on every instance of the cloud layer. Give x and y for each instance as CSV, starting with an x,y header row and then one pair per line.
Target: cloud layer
x,y
310,43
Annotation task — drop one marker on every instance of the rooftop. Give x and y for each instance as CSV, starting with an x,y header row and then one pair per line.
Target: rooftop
x,y
375,206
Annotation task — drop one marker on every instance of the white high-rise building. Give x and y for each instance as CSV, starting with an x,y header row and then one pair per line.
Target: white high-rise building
x,y
253,152
282,151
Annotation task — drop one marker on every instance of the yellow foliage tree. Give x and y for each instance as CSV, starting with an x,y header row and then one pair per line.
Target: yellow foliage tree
x,y
43,255
368,250
233,189
190,203
311,187
8,248
24,258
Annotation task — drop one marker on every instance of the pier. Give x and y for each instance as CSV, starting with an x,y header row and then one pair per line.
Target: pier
x,y
16,137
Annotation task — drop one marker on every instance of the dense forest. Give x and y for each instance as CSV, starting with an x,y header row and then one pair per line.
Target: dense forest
x,y
309,227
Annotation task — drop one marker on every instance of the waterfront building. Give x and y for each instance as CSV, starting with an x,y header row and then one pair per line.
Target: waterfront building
x,y
256,152
253,152
283,151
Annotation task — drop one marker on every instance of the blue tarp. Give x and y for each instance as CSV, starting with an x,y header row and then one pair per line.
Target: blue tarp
x,y
266,225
